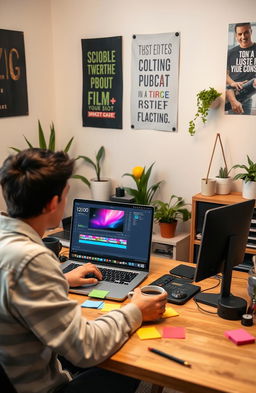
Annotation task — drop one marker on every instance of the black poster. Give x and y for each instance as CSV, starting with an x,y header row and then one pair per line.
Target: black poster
x,y
13,81
102,82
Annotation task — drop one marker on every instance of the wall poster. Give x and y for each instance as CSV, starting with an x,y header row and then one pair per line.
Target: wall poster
x,y
102,82
241,69
155,72
13,80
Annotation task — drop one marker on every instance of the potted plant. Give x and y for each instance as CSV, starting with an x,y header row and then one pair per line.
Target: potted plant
x,y
248,177
143,194
223,181
100,187
206,99
42,144
168,214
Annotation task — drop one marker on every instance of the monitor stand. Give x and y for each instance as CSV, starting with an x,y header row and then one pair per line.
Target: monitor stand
x,y
228,306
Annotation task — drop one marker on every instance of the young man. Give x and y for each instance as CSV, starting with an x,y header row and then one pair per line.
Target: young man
x,y
241,71
38,321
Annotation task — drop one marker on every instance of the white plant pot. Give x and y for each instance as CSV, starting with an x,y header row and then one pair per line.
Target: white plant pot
x,y
223,185
249,190
101,190
208,188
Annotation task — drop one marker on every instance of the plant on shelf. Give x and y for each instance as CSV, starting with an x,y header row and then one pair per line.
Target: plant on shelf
x,y
100,187
42,144
142,194
248,177
223,173
205,99
167,214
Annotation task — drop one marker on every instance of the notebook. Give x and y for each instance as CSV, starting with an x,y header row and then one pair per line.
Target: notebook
x,y
113,236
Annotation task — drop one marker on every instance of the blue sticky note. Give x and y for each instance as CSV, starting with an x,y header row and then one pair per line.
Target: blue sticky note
x,y
91,304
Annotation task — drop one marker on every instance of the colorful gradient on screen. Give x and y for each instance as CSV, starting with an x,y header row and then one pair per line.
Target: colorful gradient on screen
x,y
106,219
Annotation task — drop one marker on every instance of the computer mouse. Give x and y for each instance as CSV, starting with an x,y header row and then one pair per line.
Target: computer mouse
x,y
178,294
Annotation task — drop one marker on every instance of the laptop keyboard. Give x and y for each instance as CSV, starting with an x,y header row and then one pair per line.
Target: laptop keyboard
x,y
110,275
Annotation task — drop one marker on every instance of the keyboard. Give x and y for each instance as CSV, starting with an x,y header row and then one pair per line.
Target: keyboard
x,y
110,275
179,290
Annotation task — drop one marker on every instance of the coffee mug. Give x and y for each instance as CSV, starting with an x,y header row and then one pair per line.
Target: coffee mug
x,y
53,244
149,290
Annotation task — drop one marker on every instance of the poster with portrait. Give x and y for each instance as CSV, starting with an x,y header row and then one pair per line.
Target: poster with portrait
x,y
13,80
241,69
155,72
102,82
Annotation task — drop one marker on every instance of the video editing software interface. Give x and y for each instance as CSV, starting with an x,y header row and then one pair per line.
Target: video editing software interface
x,y
111,234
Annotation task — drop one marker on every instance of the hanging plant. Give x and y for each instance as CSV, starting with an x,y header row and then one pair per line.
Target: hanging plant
x,y
205,98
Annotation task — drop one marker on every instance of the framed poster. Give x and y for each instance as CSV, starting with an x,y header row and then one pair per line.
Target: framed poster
x,y
155,73
13,80
241,69
102,82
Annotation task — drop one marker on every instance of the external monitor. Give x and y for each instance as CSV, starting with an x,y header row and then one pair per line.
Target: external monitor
x,y
224,238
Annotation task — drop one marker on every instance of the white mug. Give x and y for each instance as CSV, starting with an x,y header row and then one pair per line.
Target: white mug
x,y
149,290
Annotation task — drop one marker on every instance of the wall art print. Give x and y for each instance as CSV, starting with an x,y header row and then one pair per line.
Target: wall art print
x,y
241,69
155,73
13,80
102,82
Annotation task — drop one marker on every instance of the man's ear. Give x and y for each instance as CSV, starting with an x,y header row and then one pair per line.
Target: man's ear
x,y
52,205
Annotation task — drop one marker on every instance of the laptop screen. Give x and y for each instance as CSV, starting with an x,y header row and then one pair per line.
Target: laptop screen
x,y
109,233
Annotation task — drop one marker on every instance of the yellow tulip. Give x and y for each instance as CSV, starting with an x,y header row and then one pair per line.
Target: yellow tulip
x,y
137,172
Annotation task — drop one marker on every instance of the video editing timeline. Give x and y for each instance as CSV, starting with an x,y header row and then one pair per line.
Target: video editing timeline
x,y
103,241
115,235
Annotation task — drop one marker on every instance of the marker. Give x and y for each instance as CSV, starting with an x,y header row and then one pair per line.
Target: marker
x,y
170,357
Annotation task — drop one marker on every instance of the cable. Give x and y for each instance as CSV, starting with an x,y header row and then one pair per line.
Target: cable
x,y
217,277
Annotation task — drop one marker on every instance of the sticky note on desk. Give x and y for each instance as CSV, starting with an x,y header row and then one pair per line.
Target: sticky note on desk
x,y
98,293
240,336
170,312
110,306
92,304
174,332
147,333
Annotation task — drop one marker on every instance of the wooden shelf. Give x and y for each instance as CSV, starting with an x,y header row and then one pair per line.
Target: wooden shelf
x,y
178,245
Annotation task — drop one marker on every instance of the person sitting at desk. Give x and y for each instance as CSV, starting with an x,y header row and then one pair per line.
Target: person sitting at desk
x,y
38,321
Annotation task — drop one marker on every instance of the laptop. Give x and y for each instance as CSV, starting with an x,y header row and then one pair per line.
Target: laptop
x,y
64,235
116,237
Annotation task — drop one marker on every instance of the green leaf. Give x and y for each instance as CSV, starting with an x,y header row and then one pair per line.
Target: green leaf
x,y
29,144
68,145
51,145
15,149
83,178
42,142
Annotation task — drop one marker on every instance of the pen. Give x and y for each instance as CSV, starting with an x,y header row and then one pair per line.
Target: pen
x,y
170,357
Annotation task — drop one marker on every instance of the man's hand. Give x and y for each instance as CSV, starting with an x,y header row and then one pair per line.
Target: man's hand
x,y
238,85
77,276
236,106
151,307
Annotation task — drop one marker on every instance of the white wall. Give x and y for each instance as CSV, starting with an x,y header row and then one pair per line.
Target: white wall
x,y
34,19
181,160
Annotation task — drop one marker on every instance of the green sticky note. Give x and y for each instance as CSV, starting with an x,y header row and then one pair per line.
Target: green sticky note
x,y
98,293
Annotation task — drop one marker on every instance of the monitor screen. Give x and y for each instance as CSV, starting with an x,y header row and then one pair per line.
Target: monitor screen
x,y
224,238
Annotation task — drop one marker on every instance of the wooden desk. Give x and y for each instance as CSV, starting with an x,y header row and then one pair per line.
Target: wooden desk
x,y
218,365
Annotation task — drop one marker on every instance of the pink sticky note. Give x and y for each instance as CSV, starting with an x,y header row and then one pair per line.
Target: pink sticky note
x,y
173,332
240,336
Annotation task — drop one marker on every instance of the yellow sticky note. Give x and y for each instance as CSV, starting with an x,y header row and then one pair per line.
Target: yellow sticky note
x,y
146,333
170,312
110,307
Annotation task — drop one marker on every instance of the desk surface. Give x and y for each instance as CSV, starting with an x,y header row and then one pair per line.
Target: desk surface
x,y
218,365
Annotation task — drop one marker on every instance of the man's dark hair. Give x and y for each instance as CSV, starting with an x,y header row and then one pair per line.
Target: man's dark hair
x,y
31,178
243,24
